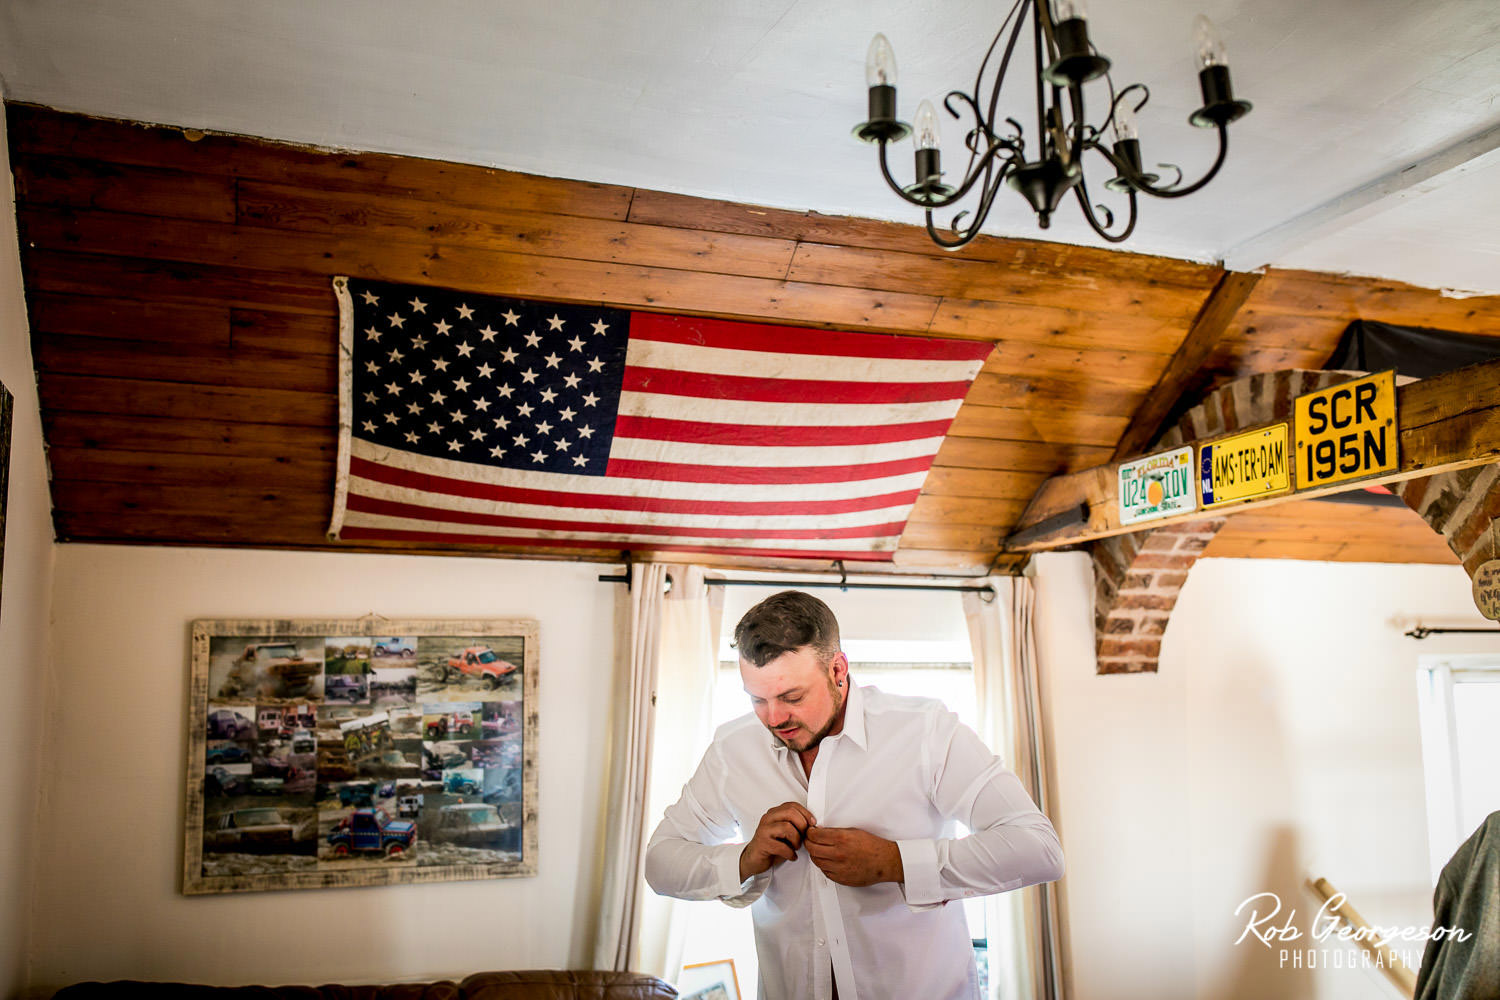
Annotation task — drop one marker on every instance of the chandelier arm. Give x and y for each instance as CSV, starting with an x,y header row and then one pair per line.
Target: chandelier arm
x,y
1010,48
1196,185
1082,194
986,201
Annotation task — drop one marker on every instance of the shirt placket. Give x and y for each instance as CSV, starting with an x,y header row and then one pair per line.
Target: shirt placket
x,y
830,941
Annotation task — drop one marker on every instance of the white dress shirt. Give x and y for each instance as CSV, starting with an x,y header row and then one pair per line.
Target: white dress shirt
x,y
902,768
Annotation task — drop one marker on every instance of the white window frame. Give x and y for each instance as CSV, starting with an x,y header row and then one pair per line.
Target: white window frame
x,y
1436,678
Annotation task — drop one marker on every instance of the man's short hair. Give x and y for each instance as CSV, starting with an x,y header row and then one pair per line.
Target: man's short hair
x,y
785,622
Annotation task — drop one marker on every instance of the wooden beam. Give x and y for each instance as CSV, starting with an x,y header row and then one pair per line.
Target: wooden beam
x,y
1448,422
1218,311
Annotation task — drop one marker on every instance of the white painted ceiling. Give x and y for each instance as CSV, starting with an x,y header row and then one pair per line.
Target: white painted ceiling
x,y
752,100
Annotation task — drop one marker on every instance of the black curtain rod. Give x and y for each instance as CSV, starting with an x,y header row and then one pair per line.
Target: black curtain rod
x,y
1422,631
842,586
628,577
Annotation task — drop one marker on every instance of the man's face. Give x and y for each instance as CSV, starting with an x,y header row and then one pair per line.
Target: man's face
x,y
797,697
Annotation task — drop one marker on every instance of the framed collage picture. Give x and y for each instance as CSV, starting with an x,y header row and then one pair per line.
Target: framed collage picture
x,y
334,753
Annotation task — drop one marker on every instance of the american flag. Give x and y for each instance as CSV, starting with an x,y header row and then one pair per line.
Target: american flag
x,y
476,419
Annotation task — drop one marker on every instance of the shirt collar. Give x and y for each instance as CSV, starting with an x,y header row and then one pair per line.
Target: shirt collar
x,y
854,722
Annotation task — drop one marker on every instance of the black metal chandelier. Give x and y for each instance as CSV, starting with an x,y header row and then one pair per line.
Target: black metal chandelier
x,y
1065,60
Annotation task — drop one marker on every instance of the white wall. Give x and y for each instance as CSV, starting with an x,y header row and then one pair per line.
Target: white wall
x,y
1279,739
110,822
23,610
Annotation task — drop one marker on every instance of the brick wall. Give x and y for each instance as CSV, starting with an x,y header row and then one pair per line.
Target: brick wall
x,y
1461,506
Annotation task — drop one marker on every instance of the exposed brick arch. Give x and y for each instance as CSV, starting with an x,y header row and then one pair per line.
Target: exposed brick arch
x,y
1462,507
1138,576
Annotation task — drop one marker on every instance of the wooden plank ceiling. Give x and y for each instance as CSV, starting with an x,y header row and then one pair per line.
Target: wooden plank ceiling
x,y
185,333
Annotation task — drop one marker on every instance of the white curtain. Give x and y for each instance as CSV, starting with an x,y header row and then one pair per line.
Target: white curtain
x,y
662,724
1022,925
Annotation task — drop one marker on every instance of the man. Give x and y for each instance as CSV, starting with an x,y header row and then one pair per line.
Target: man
x,y
850,801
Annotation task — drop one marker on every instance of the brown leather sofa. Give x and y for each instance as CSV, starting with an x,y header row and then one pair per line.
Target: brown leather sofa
x,y
530,985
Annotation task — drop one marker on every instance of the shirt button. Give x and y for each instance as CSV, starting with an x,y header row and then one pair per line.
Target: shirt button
x,y
820,942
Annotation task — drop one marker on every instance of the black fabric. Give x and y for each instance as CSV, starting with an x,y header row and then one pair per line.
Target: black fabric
x,y
1371,346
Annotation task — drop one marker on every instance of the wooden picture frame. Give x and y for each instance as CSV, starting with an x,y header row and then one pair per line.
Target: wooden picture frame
x,y
355,752
709,981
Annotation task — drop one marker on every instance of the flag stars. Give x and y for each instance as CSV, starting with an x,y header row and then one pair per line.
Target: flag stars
x,y
497,452
600,326
370,397
411,437
370,299
585,432
395,356
508,356
572,381
443,327
544,428
439,365
390,418
371,367
485,371
510,316
548,395
372,333
461,384
502,422
397,321
529,376
464,312
369,426
464,350
561,444
595,365
457,417
590,399
552,360
580,460
393,389
418,343
575,344
539,456
417,377
413,408
505,390
532,339
524,409
521,440
434,428
567,414
555,323
455,445
481,405
477,434
438,397
489,333
417,305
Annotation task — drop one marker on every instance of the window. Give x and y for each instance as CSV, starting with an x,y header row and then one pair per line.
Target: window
x,y
939,668
1459,701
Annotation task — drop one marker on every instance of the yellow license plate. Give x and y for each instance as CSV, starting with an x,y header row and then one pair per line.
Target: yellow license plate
x,y
1253,464
1346,431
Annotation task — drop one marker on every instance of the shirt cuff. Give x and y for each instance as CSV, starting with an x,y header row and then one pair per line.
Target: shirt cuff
x,y
919,869
730,889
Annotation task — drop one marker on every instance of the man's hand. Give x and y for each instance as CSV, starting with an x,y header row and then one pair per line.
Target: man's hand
x,y
853,857
777,837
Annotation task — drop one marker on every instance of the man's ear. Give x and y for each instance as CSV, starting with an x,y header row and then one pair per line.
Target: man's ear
x,y
840,666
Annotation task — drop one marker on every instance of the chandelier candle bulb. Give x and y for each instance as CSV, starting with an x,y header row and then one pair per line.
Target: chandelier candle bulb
x,y
880,63
925,126
1124,124
1207,44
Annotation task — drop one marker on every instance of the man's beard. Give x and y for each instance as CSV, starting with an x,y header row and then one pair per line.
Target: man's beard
x,y
833,717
